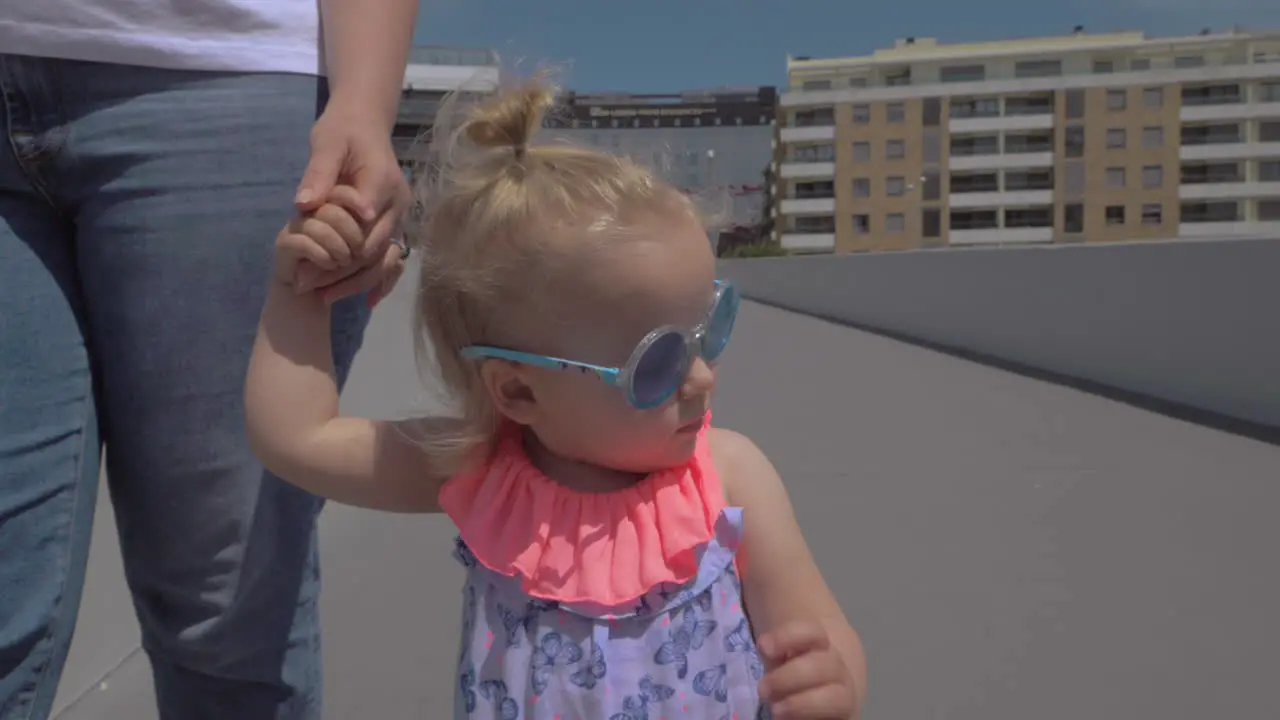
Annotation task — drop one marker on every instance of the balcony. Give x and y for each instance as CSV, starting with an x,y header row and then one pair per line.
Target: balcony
x,y
1227,188
794,169
809,242
1002,161
808,206
1000,124
807,133
1229,151
1230,111
1003,236
1000,198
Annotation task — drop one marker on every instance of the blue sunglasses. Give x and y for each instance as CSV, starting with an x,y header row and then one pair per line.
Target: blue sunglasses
x,y
660,362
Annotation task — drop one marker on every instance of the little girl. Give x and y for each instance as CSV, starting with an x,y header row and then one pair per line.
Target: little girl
x,y
624,559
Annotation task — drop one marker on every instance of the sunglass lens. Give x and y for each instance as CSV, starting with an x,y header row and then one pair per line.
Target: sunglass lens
x,y
720,324
659,371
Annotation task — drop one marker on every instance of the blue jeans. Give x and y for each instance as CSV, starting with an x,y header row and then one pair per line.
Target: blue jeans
x,y
138,208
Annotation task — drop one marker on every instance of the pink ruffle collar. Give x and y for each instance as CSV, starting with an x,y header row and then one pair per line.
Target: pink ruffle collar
x,y
574,547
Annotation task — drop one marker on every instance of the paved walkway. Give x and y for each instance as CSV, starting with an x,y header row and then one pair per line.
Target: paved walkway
x,y
1009,549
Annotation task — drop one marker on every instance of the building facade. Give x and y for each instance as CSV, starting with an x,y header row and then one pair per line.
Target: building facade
x,y
432,73
1080,138
716,142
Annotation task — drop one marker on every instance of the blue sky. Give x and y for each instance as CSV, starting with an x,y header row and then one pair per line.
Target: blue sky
x,y
671,45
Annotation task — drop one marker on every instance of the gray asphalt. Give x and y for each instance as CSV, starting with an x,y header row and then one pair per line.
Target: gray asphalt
x,y
1009,549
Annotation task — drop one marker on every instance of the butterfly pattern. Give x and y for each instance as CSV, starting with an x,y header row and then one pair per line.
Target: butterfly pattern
x,y
679,651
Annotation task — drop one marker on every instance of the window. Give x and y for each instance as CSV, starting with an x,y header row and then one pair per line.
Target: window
x,y
816,85
962,73
974,220
815,224
975,107
1115,138
862,151
1035,104
932,189
1269,209
1115,215
862,187
1075,104
931,223
931,110
825,152
862,113
1269,92
1037,68
1029,142
1029,217
931,146
1153,98
861,224
857,82
1211,134
1152,137
1152,214
894,222
895,150
1188,61
1073,140
1115,177
1140,64
895,186
1210,172
898,79
1269,171
975,145
1117,99
1152,176
820,117
1212,94
1028,179
1073,218
1209,211
819,189
1103,67
895,112
1269,131
1073,178
975,182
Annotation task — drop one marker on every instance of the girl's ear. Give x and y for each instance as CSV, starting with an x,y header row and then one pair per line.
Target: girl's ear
x,y
509,389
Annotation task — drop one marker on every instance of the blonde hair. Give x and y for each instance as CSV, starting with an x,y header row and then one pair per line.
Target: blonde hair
x,y
496,213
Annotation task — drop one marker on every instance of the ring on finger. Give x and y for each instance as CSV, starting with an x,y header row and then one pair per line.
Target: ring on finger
x,y
404,247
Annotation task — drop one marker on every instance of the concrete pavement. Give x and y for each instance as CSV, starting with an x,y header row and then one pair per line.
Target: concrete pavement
x,y
1009,549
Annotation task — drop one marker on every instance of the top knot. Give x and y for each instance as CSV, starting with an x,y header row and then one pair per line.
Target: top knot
x,y
510,119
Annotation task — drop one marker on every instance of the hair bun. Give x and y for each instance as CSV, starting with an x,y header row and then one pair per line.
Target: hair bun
x,y
510,119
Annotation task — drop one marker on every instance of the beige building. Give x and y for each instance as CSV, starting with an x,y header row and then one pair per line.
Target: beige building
x,y
1080,138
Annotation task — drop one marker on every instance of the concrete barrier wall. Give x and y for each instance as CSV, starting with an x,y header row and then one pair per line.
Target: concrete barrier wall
x,y
1191,322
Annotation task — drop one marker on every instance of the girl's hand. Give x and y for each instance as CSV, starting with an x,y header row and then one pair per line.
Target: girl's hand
x,y
329,239
807,678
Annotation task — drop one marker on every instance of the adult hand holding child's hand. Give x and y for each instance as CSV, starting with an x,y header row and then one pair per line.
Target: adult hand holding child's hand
x,y
354,149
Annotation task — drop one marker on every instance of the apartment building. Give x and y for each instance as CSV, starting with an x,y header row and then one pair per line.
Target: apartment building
x,y
432,73
1079,138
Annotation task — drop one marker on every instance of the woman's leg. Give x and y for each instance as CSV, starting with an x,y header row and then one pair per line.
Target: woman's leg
x,y
49,449
180,182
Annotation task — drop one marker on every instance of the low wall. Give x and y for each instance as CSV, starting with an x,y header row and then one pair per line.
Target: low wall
x,y
1195,323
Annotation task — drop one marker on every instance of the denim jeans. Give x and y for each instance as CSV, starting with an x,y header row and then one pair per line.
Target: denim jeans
x,y
138,208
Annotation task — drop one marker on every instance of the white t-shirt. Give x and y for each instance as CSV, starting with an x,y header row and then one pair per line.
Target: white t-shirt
x,y
215,35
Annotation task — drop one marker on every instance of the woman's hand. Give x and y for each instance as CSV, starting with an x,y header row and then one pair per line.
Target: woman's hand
x,y
353,147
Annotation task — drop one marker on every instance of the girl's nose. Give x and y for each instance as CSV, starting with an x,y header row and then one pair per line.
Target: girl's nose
x,y
700,380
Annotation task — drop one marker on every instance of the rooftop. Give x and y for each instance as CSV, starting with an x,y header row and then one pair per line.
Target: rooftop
x,y
925,49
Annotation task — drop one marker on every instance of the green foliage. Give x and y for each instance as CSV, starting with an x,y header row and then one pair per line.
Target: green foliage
x,y
756,250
